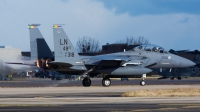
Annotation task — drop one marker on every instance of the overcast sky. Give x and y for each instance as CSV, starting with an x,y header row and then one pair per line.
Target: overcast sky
x,y
169,23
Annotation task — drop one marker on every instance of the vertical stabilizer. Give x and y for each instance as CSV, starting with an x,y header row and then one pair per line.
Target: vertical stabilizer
x,y
38,45
63,48
34,34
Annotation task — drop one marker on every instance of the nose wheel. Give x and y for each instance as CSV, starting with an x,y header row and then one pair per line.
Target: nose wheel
x,y
142,82
106,82
86,82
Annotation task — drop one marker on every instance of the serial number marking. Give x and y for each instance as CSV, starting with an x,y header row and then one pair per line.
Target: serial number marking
x,y
69,54
66,48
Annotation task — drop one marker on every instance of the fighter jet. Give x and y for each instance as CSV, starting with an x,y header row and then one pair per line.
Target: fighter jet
x,y
136,62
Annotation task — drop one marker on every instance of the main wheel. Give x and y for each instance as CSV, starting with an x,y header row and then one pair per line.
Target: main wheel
x,y
53,77
86,82
142,82
172,78
106,82
179,78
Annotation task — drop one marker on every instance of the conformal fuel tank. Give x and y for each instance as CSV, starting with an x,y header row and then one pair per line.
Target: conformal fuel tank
x,y
127,70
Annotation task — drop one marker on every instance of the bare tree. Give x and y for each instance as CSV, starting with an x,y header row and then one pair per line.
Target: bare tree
x,y
87,45
134,41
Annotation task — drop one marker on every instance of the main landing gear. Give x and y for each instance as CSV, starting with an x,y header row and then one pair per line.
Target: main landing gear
x,y
106,82
142,82
172,78
86,82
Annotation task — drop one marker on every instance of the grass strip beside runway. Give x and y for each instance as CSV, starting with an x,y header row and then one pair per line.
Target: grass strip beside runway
x,y
180,92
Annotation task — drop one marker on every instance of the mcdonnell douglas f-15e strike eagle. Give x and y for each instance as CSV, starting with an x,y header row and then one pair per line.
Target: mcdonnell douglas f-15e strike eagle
x,y
136,62
116,65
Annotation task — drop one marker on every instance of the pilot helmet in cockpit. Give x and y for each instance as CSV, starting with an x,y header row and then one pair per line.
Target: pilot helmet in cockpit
x,y
155,49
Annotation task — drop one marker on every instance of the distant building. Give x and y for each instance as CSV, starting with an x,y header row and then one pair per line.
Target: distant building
x,y
26,53
9,53
5,46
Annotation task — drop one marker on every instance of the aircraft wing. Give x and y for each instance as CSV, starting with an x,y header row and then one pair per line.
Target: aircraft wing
x,y
60,64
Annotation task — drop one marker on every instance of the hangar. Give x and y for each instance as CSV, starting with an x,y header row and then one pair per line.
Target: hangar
x,y
9,53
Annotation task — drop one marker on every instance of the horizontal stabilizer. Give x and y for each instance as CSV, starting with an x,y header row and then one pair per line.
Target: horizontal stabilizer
x,y
60,64
21,63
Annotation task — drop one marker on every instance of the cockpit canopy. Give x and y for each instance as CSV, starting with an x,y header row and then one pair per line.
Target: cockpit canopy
x,y
151,47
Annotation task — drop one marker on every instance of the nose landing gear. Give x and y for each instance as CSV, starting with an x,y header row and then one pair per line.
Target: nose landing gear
x,y
142,82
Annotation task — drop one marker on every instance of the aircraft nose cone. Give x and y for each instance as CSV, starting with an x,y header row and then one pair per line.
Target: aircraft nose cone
x,y
186,63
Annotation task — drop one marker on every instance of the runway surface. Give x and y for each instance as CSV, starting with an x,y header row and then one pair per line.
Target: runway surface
x,y
55,96
41,82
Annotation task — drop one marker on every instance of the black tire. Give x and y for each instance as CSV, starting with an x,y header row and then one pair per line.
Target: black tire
x,y
142,83
172,78
106,82
53,77
179,78
86,82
